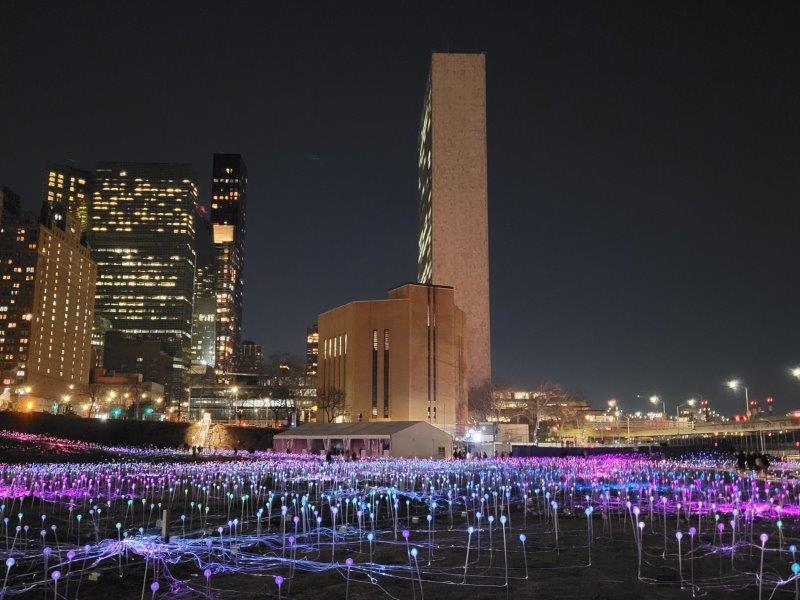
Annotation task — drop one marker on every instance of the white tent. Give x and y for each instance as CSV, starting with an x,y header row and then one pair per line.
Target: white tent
x,y
371,438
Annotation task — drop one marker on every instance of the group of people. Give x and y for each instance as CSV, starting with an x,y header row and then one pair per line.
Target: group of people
x,y
461,454
339,454
752,461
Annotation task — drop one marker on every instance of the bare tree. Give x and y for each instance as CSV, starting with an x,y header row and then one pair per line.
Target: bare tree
x,y
331,402
548,402
485,403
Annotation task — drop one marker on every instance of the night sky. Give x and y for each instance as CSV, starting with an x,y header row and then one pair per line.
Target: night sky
x,y
643,164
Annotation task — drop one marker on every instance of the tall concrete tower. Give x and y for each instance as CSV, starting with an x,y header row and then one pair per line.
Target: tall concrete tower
x,y
453,199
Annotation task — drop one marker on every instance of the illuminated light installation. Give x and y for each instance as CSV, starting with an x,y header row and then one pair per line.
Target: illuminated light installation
x,y
229,521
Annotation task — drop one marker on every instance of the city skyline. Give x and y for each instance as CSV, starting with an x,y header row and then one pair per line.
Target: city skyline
x,y
642,236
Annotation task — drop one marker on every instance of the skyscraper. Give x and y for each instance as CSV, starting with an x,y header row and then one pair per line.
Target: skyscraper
x,y
251,358
204,316
228,211
47,284
10,206
453,246
312,352
143,240
70,185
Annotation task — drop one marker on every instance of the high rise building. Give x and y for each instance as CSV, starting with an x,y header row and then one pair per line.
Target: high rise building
x,y
400,359
251,358
10,206
47,285
453,246
228,212
72,186
142,237
312,351
204,316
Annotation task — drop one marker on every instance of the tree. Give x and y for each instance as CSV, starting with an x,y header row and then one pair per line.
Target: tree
x,y
331,402
485,403
548,402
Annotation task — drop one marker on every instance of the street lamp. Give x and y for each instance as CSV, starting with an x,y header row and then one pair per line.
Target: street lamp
x,y
235,390
658,400
734,384
795,372
689,402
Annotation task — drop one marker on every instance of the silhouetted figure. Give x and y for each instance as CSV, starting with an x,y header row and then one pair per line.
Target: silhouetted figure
x,y
741,460
751,461
328,456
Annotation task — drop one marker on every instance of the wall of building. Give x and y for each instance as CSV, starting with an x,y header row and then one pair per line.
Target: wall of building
x,y
454,196
63,314
421,441
419,334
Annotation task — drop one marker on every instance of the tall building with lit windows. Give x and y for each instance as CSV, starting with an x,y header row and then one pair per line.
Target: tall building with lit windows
x,y
453,242
142,237
399,359
228,212
204,315
312,352
47,285
70,185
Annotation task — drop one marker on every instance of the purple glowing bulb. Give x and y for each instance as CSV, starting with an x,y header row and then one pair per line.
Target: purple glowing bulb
x,y
154,587
349,562
406,533
55,575
278,580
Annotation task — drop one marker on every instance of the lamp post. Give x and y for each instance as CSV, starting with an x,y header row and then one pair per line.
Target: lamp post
x,y
734,384
689,402
657,400
235,391
795,372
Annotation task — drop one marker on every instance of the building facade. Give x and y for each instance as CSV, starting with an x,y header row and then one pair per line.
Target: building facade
x,y
72,186
10,206
142,237
312,351
245,405
115,395
251,358
453,242
228,212
47,285
204,315
400,359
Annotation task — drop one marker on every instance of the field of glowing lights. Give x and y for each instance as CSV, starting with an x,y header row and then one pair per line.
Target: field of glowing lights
x,y
85,521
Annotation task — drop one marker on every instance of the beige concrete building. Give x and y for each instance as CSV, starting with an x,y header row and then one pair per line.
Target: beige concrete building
x,y
46,311
453,198
400,359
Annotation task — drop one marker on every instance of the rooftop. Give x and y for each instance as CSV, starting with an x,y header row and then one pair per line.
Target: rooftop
x,y
348,429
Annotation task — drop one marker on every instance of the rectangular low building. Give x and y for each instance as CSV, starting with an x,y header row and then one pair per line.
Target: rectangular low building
x,y
399,359
396,438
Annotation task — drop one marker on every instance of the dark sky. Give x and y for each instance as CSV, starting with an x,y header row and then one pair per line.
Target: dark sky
x,y
643,164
